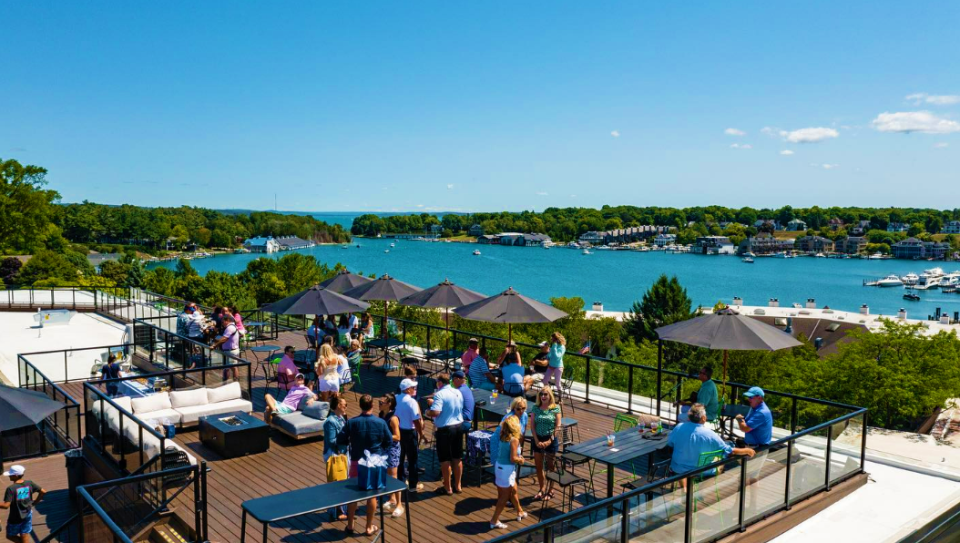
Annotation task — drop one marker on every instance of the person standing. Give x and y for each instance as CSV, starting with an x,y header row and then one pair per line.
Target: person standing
x,y
411,435
460,383
183,320
544,424
508,458
447,412
364,432
388,412
331,427
18,498
328,374
558,346
111,370
229,344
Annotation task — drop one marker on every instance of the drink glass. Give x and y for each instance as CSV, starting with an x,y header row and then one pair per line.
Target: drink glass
x,y
611,439
493,397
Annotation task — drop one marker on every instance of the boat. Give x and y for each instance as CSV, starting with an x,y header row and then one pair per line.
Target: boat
x,y
912,296
604,248
820,255
780,255
929,279
476,252
358,246
386,250
547,244
586,252
875,256
746,260
393,244
344,246
890,281
910,279
749,254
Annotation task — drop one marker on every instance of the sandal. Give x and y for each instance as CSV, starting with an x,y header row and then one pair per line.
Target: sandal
x,y
549,496
372,530
539,495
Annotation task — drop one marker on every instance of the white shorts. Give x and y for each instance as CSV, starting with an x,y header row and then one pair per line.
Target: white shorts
x,y
506,475
329,386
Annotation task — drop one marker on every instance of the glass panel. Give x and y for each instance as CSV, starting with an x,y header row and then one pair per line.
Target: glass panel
x,y
808,467
845,454
766,480
716,503
600,525
658,515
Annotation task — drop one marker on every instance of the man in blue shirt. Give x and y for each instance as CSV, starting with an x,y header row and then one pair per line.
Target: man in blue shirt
x,y
411,434
757,428
447,413
460,383
691,439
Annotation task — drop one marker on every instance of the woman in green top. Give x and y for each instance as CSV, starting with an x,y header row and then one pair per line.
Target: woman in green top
x,y
544,425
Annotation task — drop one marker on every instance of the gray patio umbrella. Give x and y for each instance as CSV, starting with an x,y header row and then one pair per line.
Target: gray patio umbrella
x,y
724,330
445,295
385,289
316,300
21,407
510,307
344,281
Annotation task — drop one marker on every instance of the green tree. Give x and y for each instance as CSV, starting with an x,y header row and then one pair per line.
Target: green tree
x,y
185,269
666,302
26,207
9,268
49,265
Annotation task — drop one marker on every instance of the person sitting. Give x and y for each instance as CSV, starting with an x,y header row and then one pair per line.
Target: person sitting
x,y
691,439
480,374
707,395
515,383
299,393
314,332
343,328
287,369
757,428
468,356
541,361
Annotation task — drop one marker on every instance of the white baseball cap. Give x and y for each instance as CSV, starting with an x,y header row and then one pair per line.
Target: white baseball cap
x,y
15,470
407,384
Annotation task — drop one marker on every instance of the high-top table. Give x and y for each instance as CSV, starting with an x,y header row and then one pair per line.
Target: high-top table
x,y
295,503
628,445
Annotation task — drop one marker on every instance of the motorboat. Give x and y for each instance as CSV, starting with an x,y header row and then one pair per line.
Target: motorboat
x,y
820,255
910,279
912,296
393,244
586,252
749,254
476,252
746,260
604,248
573,245
890,281
875,256
929,279
780,255
386,250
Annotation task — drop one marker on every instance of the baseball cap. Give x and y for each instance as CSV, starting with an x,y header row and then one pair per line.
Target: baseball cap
x,y
299,376
754,391
16,469
542,344
458,375
474,340
407,384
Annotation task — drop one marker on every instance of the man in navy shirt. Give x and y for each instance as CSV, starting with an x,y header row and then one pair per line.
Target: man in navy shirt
x,y
460,383
365,432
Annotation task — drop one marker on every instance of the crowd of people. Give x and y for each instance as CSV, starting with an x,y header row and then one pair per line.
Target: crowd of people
x,y
508,374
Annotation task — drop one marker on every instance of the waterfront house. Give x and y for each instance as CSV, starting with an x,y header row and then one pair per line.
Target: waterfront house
x,y
97,259
433,230
897,227
488,239
764,244
835,223
952,227
261,245
861,228
517,239
662,240
476,230
592,237
291,243
796,225
913,248
770,223
850,245
713,245
814,244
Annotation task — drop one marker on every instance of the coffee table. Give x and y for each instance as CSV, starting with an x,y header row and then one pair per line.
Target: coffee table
x,y
251,436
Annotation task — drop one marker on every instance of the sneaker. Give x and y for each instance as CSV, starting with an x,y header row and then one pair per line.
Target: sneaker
x,y
388,507
398,512
521,516
498,526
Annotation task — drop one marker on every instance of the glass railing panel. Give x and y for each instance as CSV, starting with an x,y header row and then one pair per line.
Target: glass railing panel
x,y
845,448
808,465
716,503
657,515
601,524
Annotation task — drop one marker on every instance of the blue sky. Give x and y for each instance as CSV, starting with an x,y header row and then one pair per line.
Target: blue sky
x,y
486,105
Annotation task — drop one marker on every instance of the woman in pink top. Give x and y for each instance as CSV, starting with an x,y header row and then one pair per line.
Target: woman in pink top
x,y
238,320
288,369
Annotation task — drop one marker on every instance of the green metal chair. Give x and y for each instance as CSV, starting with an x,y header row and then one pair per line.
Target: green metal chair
x,y
354,362
622,422
707,458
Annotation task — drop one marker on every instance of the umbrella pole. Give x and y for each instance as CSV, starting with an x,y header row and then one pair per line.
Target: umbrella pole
x,y
723,385
659,372
446,321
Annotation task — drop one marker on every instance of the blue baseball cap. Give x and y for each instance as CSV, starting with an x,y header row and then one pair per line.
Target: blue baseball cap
x,y
754,391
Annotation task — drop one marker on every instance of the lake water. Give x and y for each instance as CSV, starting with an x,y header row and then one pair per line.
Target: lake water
x,y
617,278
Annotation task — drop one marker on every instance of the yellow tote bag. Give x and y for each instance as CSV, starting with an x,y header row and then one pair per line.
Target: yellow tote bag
x,y
336,468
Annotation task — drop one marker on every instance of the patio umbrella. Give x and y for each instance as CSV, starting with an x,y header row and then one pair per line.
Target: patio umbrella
x,y
344,281
724,330
316,300
21,407
445,295
510,307
385,289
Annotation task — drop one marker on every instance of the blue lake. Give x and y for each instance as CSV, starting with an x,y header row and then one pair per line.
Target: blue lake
x,y
617,278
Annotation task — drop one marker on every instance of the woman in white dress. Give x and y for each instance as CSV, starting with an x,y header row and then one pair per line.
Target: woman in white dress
x,y
327,372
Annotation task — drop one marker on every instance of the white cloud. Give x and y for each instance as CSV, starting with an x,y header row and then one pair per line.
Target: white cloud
x,y
906,122
937,100
450,186
830,166
734,132
941,145
541,194
615,133
741,146
786,152
770,131
573,195
809,135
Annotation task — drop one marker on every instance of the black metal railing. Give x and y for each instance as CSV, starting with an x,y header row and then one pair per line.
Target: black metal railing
x,y
74,297
158,342
56,433
67,365
743,492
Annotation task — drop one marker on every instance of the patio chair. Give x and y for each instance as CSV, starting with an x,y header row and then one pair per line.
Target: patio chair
x,y
573,459
514,390
660,470
567,394
566,480
706,459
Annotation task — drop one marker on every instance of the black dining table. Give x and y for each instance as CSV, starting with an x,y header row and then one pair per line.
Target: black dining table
x,y
498,408
628,445
446,356
386,345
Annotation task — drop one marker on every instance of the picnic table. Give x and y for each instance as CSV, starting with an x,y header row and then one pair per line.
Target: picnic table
x,y
270,509
628,445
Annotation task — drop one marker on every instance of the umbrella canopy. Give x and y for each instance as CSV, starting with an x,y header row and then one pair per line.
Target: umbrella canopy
x,y
316,300
446,294
21,407
344,281
510,307
729,331
384,288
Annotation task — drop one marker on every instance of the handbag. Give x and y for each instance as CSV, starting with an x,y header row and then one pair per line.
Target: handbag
x,y
337,468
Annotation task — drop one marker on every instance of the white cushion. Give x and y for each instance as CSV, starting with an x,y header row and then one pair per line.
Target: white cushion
x,y
223,393
188,398
193,413
169,414
151,402
122,401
